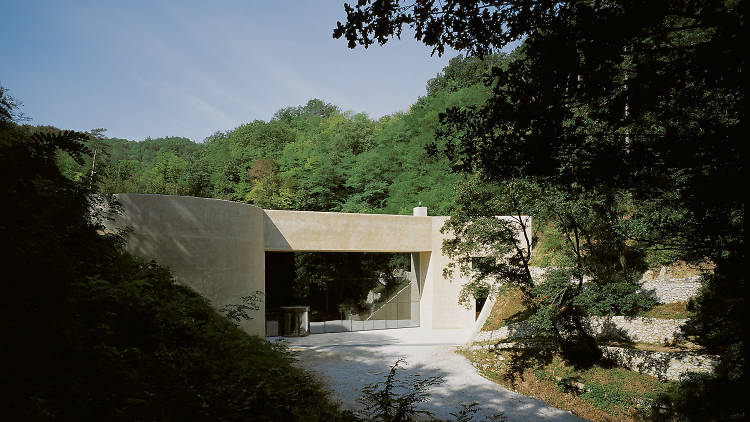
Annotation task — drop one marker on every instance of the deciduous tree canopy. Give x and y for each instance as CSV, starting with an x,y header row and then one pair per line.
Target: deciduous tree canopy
x,y
609,101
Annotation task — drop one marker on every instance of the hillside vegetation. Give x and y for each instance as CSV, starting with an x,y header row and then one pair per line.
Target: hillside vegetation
x,y
93,333
623,155
313,157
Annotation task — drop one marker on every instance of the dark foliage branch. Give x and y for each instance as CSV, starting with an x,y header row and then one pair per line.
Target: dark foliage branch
x,y
613,99
478,27
397,399
93,333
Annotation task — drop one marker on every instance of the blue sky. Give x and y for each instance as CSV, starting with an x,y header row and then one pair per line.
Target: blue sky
x,y
183,68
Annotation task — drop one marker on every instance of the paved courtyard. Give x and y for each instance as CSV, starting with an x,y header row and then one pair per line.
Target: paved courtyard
x,y
348,361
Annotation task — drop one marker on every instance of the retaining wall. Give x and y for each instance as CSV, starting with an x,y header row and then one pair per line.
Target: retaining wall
x,y
670,290
664,290
636,329
663,365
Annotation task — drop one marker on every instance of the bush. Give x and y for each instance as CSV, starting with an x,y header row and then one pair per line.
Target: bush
x,y
93,333
396,400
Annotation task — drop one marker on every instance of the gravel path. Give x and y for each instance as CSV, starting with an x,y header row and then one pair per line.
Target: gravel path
x,y
348,361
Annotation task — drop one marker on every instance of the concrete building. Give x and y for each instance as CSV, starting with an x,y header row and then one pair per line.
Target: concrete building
x,y
218,248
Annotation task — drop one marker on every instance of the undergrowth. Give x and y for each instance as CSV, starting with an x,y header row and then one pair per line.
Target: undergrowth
x,y
599,392
508,308
677,310
399,397
92,333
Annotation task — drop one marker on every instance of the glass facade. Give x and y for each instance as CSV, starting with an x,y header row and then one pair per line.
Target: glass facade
x,y
380,297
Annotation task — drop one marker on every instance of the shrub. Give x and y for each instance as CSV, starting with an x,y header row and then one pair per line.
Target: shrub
x,y
93,333
396,399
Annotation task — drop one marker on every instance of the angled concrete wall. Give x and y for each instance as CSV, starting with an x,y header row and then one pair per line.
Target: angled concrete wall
x,y
213,246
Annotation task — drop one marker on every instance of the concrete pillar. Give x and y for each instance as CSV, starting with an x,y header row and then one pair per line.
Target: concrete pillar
x,y
421,267
419,264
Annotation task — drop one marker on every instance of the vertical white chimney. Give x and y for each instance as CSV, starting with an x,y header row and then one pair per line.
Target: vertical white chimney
x,y
420,211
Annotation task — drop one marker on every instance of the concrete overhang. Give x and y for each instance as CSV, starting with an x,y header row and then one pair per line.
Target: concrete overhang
x,y
286,231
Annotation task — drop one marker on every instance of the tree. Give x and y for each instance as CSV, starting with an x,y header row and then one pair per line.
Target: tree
x,y
94,333
269,190
122,176
496,252
313,108
621,99
166,174
9,107
99,148
198,178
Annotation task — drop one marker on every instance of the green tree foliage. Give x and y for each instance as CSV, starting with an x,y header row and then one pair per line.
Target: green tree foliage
x,y
92,333
238,312
166,174
309,157
623,99
269,190
492,253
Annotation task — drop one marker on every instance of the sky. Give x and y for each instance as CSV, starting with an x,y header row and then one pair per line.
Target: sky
x,y
184,68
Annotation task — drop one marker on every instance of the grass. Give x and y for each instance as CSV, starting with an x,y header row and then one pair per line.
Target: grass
x,y
682,346
550,249
508,308
597,393
677,310
678,269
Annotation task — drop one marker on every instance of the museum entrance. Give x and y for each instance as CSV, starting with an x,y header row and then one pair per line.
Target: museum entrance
x,y
345,291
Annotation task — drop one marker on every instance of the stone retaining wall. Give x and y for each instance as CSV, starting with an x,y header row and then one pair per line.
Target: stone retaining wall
x,y
670,290
636,329
663,365
664,290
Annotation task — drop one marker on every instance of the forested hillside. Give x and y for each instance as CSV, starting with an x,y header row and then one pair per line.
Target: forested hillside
x,y
312,157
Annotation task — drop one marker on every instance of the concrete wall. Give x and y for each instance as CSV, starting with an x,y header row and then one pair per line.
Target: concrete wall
x,y
345,232
443,307
421,265
217,248
420,235
213,246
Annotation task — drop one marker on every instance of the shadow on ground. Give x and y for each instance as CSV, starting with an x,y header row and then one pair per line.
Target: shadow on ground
x,y
349,361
